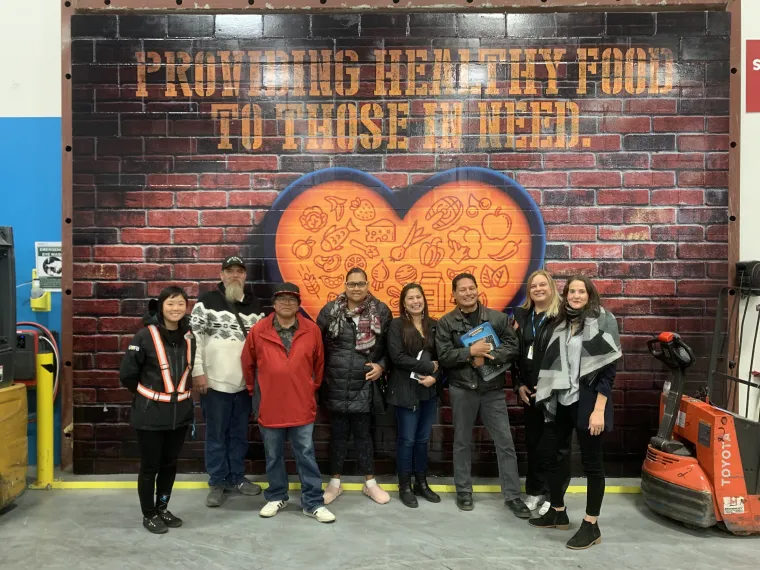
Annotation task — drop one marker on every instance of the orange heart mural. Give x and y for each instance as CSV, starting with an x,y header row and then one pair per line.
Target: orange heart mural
x,y
472,220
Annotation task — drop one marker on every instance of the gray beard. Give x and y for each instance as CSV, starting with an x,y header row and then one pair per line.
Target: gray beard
x,y
233,292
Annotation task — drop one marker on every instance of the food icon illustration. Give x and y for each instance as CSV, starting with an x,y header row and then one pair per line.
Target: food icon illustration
x,y
331,282
475,206
445,212
434,288
337,205
459,225
363,209
464,243
302,248
369,250
483,298
309,281
451,273
381,231
491,277
406,274
327,264
331,296
497,225
313,219
509,250
380,274
415,236
432,253
395,297
355,260
335,236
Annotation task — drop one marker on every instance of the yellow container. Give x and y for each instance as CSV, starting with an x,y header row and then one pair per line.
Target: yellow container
x,y
13,443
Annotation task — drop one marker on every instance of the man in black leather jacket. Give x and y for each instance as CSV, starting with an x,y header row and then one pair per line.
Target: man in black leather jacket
x,y
470,393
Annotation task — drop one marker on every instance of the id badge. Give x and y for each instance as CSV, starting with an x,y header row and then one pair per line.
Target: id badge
x,y
530,352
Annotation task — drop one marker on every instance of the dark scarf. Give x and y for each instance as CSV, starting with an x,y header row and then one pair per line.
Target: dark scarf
x,y
369,321
601,346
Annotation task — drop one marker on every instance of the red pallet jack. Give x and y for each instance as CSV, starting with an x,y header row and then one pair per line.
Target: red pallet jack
x,y
702,466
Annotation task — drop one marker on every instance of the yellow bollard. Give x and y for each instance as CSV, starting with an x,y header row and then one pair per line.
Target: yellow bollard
x,y
45,441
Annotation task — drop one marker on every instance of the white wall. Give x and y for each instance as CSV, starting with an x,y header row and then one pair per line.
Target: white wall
x,y
749,245
31,42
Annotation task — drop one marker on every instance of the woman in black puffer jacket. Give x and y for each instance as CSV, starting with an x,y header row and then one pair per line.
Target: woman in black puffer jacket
x,y
353,329
162,408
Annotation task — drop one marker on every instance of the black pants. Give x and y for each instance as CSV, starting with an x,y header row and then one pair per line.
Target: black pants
x,y
342,426
535,481
556,442
159,451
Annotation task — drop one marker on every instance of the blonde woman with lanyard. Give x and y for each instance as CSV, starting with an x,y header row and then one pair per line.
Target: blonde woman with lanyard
x,y
531,320
575,391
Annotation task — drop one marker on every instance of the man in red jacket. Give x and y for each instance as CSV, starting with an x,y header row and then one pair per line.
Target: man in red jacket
x,y
283,361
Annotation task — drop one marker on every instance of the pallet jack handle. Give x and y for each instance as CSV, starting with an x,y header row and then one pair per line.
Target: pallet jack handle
x,y
678,356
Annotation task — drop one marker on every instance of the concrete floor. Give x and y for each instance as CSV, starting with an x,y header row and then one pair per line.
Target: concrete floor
x,y
97,529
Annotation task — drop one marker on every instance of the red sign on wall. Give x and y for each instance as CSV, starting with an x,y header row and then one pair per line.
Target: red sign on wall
x,y
753,76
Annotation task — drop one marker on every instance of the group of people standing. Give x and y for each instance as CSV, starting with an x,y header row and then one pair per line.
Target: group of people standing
x,y
562,352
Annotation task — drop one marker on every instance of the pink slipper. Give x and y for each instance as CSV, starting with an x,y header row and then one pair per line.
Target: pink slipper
x,y
376,493
331,493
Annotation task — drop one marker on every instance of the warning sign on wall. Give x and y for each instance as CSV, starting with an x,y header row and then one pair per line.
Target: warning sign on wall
x,y
49,264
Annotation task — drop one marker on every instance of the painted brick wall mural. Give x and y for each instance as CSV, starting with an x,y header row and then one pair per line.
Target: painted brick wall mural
x,y
415,146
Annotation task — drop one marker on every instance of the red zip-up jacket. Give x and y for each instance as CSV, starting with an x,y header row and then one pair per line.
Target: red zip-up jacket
x,y
286,382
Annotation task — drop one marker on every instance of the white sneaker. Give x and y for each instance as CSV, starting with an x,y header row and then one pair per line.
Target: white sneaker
x,y
544,508
533,501
322,514
272,508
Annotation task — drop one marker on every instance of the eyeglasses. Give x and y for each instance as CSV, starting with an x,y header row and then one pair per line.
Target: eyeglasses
x,y
286,300
356,284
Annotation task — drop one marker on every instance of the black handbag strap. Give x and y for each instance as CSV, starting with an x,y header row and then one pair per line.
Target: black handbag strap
x,y
240,321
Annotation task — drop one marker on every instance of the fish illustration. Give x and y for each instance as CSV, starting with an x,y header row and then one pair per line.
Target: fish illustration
x,y
335,236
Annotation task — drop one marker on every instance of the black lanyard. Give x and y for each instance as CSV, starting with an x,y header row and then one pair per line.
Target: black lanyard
x,y
533,324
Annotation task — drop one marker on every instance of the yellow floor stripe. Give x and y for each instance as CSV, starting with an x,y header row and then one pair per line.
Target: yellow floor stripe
x,y
115,485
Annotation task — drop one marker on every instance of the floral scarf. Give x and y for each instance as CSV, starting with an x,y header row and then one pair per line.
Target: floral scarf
x,y
369,321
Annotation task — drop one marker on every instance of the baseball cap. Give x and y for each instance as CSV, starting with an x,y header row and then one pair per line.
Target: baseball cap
x,y
233,260
287,289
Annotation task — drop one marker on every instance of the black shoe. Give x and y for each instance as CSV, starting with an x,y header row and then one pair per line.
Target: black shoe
x,y
518,508
586,537
405,491
215,497
464,501
552,519
169,519
422,489
155,524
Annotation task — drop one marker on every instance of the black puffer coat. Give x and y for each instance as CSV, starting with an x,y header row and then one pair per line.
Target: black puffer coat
x,y
140,366
345,388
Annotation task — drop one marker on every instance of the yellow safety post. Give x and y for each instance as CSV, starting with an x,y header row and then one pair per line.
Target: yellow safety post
x,y
45,442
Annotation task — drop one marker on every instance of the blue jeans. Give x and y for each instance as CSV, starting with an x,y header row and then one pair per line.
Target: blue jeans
x,y
306,463
414,429
226,418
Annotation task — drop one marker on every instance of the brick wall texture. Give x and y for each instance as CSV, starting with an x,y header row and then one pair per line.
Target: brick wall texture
x,y
639,203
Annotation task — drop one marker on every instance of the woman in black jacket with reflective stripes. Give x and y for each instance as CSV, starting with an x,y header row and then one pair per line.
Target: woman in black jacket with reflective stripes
x,y
413,388
157,370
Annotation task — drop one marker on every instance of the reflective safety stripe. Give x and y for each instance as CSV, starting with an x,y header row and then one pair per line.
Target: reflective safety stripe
x,y
161,396
166,375
163,362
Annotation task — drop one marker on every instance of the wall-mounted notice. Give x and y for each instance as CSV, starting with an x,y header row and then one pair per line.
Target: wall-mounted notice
x,y
49,264
753,76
